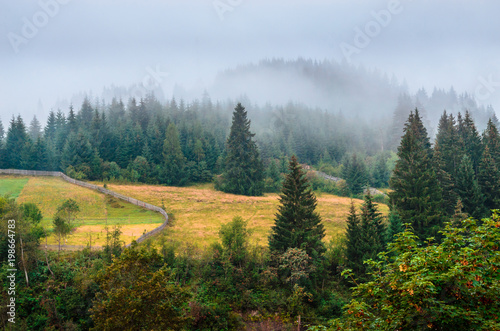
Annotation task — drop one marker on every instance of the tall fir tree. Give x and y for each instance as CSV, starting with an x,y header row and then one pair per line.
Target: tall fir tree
x,y
381,172
244,171
458,215
491,139
17,138
416,192
72,121
174,162
449,143
395,225
355,174
354,247
489,180
35,129
373,231
42,155
50,127
468,189
85,114
471,140
297,224
2,131
445,180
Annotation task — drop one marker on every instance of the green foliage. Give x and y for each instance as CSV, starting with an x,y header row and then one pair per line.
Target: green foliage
x,y
297,224
372,228
113,245
381,172
470,138
61,229
274,179
26,229
452,285
354,237
243,172
320,184
395,225
468,189
489,180
174,161
68,211
491,140
135,293
31,212
417,195
234,236
365,236
297,265
355,174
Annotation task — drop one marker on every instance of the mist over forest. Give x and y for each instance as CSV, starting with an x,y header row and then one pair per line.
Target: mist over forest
x,y
250,165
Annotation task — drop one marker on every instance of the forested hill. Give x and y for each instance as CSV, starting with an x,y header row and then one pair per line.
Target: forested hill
x,y
133,139
325,84
354,90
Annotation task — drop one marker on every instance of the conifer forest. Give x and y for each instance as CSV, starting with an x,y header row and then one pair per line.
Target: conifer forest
x,y
283,193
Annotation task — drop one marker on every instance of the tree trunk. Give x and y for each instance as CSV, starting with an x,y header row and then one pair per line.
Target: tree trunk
x,y
24,264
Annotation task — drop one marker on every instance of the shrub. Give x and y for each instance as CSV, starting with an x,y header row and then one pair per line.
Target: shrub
x,y
447,286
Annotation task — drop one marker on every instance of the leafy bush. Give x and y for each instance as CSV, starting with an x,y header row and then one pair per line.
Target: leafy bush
x,y
449,286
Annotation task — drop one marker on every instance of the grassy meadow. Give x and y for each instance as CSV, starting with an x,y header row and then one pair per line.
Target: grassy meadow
x,y
96,210
196,212
199,211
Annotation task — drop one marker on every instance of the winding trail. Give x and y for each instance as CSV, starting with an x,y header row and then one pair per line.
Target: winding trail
x,y
373,191
99,189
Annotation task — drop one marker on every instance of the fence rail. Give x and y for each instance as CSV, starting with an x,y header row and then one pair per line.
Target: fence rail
x,y
99,189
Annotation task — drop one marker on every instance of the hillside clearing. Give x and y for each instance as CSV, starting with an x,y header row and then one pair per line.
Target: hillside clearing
x,y
96,210
199,211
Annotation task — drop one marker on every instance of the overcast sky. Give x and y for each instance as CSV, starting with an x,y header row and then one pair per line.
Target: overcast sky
x,y
52,49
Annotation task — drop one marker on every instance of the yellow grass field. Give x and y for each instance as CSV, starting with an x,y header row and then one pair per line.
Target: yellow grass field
x,y
96,210
199,211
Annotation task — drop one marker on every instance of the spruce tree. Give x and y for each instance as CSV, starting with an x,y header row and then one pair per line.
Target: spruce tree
x,y
471,140
416,192
2,132
72,124
42,155
449,143
85,114
489,180
17,138
459,215
297,224
244,171
354,250
395,225
355,174
381,172
468,189
50,127
35,129
173,158
445,180
373,231
491,139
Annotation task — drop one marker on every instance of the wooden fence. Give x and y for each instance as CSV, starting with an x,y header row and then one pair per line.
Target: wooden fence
x,y
96,188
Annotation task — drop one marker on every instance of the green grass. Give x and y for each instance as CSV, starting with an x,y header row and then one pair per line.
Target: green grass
x,y
12,186
96,210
